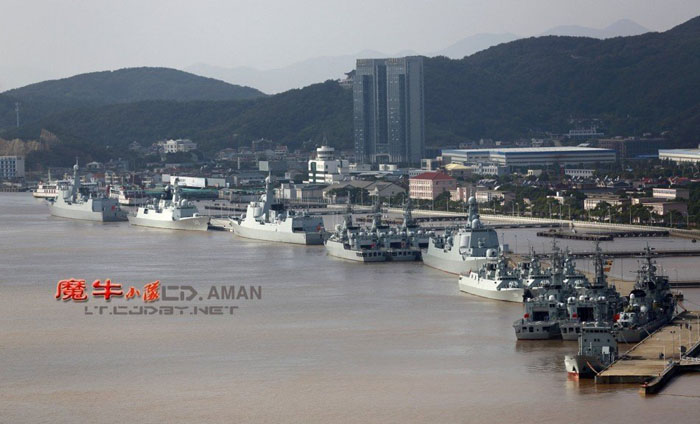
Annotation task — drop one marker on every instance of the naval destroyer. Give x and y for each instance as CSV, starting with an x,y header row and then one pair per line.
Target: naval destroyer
x,y
651,304
265,220
71,203
174,214
465,250
353,243
495,280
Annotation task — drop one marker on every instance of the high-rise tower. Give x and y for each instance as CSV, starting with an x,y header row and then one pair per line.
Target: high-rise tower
x,y
388,110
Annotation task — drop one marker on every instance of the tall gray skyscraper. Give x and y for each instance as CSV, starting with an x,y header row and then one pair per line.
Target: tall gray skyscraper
x,y
388,110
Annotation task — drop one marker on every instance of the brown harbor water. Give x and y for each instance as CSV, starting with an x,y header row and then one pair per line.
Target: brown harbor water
x,y
330,340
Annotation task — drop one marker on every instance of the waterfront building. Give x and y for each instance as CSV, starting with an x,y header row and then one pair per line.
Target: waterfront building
x,y
530,156
11,167
590,203
429,185
389,110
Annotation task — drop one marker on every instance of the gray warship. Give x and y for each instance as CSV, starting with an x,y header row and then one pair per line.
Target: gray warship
x,y
545,304
465,250
398,243
597,348
651,304
265,220
174,214
593,302
353,243
71,203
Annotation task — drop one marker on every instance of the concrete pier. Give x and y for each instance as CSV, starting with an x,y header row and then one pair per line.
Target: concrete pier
x,y
655,360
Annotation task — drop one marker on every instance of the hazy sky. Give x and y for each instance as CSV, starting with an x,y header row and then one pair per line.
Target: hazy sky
x,y
56,38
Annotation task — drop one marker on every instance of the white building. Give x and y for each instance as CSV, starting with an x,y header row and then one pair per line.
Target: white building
x,y
581,173
11,167
670,193
530,156
179,145
680,155
326,169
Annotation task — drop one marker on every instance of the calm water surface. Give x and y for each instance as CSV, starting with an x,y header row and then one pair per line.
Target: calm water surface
x,y
330,341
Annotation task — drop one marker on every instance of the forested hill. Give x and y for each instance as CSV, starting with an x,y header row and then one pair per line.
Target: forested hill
x,y
113,87
649,82
645,83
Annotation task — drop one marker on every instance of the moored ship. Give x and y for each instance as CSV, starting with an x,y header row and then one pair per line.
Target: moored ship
x,y
597,348
495,280
651,304
175,214
465,250
265,220
71,203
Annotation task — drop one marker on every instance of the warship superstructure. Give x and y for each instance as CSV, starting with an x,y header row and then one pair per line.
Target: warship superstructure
x,y
651,304
71,203
592,302
175,214
597,348
465,250
266,220
494,280
353,243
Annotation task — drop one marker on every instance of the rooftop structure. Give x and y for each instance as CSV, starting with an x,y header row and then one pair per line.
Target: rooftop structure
x,y
530,156
680,155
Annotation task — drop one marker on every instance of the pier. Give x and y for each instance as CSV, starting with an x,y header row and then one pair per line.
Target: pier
x,y
657,359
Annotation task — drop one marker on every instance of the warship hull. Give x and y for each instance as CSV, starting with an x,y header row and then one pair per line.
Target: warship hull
x,y
402,255
536,330
338,250
583,366
86,213
199,223
274,233
636,335
453,263
474,287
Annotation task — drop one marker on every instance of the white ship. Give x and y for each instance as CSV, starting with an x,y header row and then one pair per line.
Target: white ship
x,y
264,220
175,214
50,189
466,250
70,203
495,280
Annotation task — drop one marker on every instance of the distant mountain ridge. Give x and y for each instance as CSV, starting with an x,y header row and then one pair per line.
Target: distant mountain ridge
x,y
126,85
309,71
521,89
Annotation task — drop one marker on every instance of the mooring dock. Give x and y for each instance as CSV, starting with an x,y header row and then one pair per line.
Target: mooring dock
x,y
655,360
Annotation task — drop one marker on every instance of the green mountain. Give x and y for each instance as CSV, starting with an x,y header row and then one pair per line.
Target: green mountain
x,y
525,88
115,87
645,83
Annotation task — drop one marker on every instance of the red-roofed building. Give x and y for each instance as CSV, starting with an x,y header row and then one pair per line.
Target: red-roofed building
x,y
430,185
